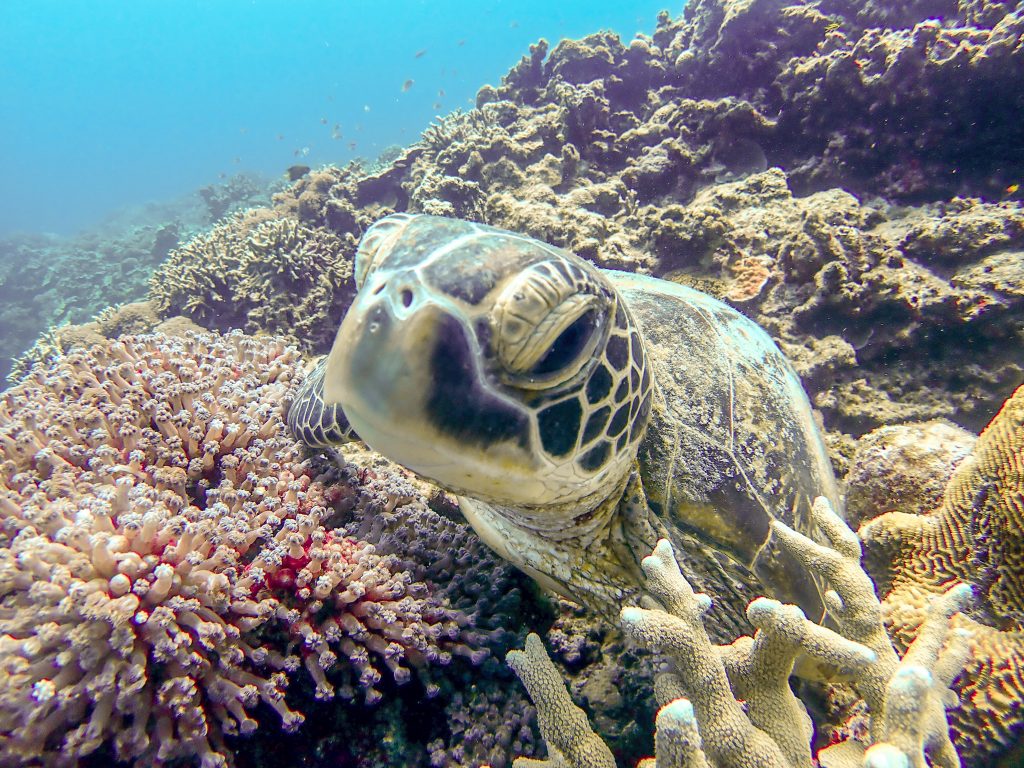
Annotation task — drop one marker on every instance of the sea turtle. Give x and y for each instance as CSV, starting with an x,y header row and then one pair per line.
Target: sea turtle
x,y
578,413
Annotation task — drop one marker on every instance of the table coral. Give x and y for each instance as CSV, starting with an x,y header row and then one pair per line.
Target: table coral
x,y
164,560
974,536
703,722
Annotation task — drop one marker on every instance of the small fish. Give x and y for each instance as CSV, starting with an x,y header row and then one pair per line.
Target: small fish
x,y
352,145
407,85
336,132
302,152
243,131
238,159
832,27
513,25
280,137
1012,189
296,172
437,105
440,92
366,107
461,43
323,121
420,53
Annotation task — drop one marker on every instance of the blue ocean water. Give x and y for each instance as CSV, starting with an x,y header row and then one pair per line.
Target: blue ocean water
x,y
108,104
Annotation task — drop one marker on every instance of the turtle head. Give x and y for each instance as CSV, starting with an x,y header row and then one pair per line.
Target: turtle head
x,y
498,366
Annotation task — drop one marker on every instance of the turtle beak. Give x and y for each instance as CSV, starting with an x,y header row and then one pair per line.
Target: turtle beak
x,y
407,374
373,366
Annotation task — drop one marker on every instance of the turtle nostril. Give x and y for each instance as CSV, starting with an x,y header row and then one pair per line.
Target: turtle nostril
x,y
406,298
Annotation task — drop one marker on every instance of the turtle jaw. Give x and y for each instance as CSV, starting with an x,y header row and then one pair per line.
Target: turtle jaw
x,y
409,383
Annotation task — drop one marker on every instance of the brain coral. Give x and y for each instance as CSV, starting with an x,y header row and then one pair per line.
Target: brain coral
x,y
164,560
977,536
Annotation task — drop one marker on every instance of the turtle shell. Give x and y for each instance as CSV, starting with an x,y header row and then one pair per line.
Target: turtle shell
x,y
732,443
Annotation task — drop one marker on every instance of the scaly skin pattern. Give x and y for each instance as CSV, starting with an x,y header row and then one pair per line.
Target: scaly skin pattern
x,y
579,414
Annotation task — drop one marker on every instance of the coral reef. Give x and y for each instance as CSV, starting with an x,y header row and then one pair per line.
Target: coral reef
x,y
702,721
167,566
236,193
134,318
750,148
974,535
704,154
882,98
47,281
258,271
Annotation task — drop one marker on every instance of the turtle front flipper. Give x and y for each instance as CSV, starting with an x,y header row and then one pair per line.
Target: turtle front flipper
x,y
313,421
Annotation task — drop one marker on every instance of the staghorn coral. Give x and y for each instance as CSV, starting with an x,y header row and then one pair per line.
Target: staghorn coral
x,y
165,565
569,737
702,721
975,535
259,271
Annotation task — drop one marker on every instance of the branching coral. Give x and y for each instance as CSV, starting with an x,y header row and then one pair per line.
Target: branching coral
x,y
164,561
570,739
258,271
976,535
702,721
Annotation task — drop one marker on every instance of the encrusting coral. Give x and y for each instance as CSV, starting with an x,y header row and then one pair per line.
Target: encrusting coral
x,y
702,722
976,535
165,560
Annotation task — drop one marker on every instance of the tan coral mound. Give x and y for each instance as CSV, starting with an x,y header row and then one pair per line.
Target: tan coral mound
x,y
975,536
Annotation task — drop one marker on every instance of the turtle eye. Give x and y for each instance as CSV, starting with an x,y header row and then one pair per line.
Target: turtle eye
x,y
569,346
546,325
377,243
